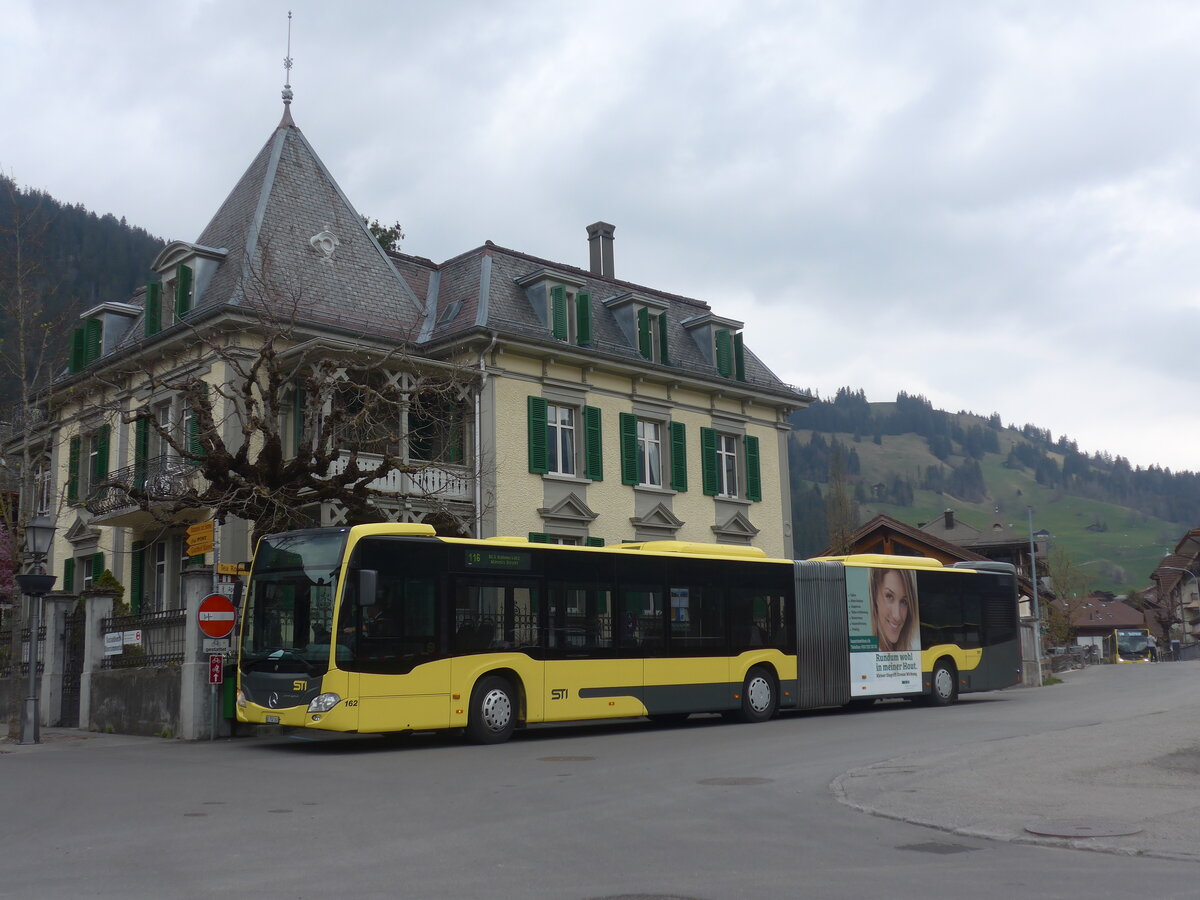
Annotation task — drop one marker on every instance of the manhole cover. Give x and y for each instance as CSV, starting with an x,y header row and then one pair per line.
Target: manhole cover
x,y
565,758
735,781
938,847
1083,828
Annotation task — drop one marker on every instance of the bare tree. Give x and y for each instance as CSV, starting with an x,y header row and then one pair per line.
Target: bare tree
x,y
279,417
841,510
30,353
1071,585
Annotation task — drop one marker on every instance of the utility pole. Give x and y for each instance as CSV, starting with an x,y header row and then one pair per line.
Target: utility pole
x,y
1037,613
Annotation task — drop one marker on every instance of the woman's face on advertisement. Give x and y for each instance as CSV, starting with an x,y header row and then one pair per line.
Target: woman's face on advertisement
x,y
892,606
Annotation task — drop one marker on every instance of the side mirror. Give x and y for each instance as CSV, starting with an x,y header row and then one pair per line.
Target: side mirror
x,y
367,581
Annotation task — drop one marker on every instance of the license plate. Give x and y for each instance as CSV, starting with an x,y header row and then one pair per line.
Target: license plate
x,y
272,720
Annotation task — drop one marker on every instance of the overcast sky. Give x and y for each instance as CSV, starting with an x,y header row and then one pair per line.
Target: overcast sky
x,y
991,204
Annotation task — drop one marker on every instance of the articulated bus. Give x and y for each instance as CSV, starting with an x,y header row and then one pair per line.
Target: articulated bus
x,y
389,628
1127,645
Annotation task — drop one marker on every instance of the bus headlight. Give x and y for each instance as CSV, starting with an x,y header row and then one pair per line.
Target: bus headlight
x,y
323,703
241,700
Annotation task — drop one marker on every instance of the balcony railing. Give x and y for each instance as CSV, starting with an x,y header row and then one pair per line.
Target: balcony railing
x,y
162,478
443,481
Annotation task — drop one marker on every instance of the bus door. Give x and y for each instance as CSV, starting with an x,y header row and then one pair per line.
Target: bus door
x,y
690,670
496,625
394,643
593,664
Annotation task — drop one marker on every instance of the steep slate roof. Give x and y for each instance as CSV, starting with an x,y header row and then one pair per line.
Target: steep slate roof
x,y
286,197
479,290
266,224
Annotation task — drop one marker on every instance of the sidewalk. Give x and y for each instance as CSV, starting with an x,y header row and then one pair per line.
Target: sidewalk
x,y
1142,771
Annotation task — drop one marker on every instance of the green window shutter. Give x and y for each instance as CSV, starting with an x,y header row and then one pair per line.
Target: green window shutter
x,y
137,563
583,318
643,320
595,542
538,537
141,450
678,456
708,460
297,417
538,462
194,446
593,449
97,565
739,358
153,317
753,475
629,450
78,357
73,469
558,311
663,357
93,338
100,465
183,291
69,575
724,353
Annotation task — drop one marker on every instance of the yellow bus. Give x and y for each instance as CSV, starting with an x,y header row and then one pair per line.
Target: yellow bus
x,y
1127,645
389,628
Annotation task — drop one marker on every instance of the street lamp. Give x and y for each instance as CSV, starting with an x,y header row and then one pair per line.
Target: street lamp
x,y
39,533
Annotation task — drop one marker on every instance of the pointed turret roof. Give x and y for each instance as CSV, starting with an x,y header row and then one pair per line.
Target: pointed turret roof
x,y
292,236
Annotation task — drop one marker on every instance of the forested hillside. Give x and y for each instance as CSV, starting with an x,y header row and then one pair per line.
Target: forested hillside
x,y
68,258
910,461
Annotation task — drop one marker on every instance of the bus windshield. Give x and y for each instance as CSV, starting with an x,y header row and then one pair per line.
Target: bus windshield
x,y
1132,642
289,608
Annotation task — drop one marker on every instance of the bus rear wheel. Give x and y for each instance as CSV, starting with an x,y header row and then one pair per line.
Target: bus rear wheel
x,y
493,713
943,684
760,698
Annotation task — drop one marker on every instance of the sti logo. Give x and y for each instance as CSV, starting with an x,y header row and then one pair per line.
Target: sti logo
x,y
558,694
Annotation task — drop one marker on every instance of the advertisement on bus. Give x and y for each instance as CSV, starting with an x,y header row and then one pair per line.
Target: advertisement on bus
x,y
885,632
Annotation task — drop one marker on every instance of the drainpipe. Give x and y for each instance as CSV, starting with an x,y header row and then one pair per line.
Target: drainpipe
x,y
478,430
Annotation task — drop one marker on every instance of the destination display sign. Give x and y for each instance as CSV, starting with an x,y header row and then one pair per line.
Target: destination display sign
x,y
507,560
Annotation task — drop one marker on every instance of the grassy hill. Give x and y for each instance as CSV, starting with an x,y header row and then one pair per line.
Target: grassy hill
x,y
1119,545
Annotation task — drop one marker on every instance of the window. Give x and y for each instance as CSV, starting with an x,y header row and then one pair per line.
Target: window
x,y
652,335
727,465
570,315
491,615
642,458
87,463
723,465
91,567
730,356
560,439
437,431
43,481
554,445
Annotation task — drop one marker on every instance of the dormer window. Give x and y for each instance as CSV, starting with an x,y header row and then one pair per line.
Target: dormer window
x,y
644,321
720,340
101,328
562,304
184,271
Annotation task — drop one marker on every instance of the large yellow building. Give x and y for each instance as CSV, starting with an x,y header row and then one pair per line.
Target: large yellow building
x,y
593,410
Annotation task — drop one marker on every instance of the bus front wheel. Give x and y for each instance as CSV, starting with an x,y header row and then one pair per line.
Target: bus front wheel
x,y
943,684
760,698
493,714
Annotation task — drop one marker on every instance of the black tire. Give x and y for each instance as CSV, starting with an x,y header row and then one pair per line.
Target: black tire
x,y
760,696
943,684
493,713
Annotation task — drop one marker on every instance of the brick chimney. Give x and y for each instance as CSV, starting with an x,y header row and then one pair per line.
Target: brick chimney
x,y
600,241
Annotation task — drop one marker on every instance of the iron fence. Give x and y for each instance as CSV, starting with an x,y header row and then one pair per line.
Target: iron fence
x,y
22,666
149,639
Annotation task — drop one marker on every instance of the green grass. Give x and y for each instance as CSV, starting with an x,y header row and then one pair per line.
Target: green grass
x,y
1121,557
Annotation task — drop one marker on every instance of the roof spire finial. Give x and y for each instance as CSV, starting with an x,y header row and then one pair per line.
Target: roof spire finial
x,y
287,66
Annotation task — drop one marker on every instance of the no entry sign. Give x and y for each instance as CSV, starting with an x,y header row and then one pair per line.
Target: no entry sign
x,y
216,616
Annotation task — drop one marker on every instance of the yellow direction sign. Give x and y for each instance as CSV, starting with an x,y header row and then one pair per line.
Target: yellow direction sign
x,y
233,569
200,538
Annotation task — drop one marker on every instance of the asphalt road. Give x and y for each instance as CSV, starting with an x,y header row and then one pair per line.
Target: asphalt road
x,y
708,810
